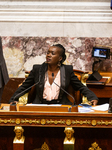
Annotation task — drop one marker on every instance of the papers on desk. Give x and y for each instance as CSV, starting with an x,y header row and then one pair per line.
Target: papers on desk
x,y
103,107
43,104
84,110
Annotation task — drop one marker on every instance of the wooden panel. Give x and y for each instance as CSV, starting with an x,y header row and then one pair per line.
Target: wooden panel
x,y
40,127
18,146
10,88
54,137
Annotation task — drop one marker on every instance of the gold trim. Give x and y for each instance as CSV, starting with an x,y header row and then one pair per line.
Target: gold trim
x,y
104,122
93,122
43,121
67,122
81,122
18,121
7,121
55,121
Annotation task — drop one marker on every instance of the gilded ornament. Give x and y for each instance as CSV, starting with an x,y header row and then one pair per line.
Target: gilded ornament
x,y
68,122
94,146
77,121
110,123
0,120
106,122
22,121
69,140
12,121
44,146
18,121
19,138
51,121
23,99
94,122
26,121
5,121
73,122
81,122
43,121
38,121
30,121
55,122
62,122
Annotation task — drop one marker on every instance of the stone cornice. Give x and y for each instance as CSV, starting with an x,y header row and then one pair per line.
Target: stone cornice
x,y
55,11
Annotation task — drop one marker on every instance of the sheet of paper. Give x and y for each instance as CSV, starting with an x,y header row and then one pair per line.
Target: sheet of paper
x,y
84,109
43,105
103,107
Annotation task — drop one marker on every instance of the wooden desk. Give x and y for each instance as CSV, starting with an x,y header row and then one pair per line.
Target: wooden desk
x,y
40,127
103,92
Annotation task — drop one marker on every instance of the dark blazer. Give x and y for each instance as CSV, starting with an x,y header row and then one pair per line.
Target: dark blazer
x,y
37,75
4,77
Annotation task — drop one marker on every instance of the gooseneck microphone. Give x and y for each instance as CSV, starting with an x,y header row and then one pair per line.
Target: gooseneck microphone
x,y
26,89
62,88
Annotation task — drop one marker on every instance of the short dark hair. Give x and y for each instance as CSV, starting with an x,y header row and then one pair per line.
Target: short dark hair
x,y
62,52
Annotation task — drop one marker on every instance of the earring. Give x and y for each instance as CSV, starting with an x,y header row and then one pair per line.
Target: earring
x,y
59,64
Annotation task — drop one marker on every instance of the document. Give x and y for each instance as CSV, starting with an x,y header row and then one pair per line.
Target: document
x,y
84,110
103,107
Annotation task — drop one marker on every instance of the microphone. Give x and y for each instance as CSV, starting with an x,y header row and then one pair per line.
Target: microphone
x,y
26,90
62,88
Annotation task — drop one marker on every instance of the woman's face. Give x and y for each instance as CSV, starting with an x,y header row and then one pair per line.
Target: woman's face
x,y
53,55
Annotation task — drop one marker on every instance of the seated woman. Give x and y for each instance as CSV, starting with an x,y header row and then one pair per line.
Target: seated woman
x,y
52,79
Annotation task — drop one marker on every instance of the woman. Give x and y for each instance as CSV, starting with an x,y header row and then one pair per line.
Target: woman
x,y
51,79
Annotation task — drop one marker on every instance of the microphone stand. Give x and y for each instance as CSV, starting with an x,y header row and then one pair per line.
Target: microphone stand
x,y
62,88
13,103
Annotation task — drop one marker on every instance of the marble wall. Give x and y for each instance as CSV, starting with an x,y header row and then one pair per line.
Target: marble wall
x,y
22,52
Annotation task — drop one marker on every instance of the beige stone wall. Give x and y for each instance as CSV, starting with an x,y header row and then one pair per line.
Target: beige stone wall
x,y
56,18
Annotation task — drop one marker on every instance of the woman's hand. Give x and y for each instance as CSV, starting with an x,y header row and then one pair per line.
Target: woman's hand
x,y
93,102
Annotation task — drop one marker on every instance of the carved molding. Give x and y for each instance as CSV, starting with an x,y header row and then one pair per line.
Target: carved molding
x,y
67,122
55,11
